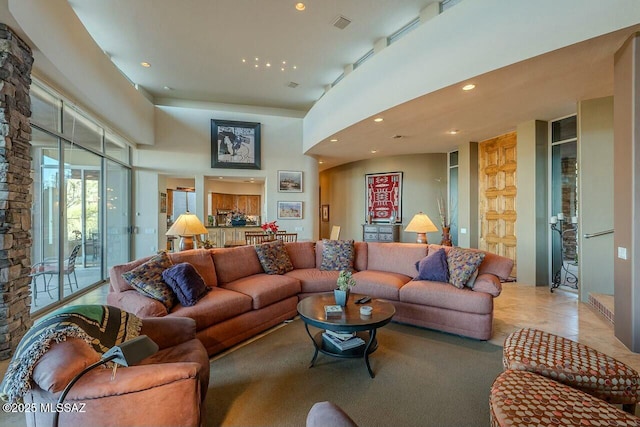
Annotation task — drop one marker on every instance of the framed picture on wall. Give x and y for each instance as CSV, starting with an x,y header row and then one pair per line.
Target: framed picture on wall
x,y
163,202
383,197
290,181
289,210
325,213
235,145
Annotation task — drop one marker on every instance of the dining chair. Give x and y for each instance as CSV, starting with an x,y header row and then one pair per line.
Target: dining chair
x,y
287,237
255,239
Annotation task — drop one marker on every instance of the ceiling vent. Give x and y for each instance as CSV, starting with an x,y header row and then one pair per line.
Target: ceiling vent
x,y
341,22
293,85
397,136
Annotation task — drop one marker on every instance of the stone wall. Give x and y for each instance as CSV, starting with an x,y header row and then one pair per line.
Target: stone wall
x,y
15,190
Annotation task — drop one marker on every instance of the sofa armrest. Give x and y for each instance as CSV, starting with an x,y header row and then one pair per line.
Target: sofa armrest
x,y
98,384
169,331
134,302
488,283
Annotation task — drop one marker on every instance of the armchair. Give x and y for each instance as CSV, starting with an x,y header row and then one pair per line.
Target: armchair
x,y
166,389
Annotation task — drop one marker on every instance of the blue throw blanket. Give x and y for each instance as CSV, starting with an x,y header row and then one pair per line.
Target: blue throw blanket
x,y
100,326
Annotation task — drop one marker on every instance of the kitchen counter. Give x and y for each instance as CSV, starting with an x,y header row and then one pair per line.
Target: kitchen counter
x,y
221,235
233,226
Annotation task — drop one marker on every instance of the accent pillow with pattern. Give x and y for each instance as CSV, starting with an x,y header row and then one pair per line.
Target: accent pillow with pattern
x,y
274,257
147,279
462,263
337,255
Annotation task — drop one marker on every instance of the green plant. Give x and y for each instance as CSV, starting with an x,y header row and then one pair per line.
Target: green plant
x,y
345,280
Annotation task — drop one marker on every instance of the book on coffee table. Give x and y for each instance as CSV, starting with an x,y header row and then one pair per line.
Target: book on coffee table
x,y
342,345
342,336
333,311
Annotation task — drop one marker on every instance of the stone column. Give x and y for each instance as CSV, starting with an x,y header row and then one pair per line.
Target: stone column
x,y
15,190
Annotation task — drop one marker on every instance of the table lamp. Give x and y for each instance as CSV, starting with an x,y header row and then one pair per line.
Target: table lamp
x,y
421,224
186,226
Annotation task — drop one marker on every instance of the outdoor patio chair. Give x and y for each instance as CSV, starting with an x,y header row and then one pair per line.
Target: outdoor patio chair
x,y
49,267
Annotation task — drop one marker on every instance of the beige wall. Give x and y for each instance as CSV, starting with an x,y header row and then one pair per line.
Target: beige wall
x,y
595,178
468,224
343,189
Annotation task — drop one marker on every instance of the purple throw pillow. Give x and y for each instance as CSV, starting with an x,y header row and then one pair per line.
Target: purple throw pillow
x,y
185,281
433,267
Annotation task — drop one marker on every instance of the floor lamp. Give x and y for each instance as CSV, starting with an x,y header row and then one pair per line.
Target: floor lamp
x,y
186,226
421,224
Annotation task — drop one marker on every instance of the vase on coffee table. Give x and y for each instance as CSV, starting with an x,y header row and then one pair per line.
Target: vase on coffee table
x,y
341,297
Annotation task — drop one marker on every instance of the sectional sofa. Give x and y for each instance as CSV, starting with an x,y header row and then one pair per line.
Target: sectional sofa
x,y
244,301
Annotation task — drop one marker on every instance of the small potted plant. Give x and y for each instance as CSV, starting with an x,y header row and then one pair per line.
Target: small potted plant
x,y
344,284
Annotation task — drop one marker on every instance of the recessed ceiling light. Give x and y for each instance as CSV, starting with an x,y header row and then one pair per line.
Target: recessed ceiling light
x,y
378,119
256,65
284,62
295,68
268,64
300,6
168,88
220,177
453,132
244,60
282,68
145,64
374,151
320,162
470,86
334,140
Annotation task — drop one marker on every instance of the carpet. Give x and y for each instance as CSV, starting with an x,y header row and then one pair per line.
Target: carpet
x,y
423,378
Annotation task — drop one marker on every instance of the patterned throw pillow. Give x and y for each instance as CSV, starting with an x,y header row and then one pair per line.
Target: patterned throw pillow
x,y
147,279
462,264
186,283
337,255
433,267
274,257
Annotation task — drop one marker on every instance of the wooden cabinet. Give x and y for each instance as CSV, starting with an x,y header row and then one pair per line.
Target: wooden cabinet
x,y
247,203
253,205
381,232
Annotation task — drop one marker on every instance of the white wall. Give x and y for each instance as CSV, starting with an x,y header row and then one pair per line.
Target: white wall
x,y
433,56
183,148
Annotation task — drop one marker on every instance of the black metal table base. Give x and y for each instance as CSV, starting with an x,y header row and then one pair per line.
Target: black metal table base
x,y
370,346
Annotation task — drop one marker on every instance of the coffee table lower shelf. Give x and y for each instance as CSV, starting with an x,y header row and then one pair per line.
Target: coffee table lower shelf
x,y
371,345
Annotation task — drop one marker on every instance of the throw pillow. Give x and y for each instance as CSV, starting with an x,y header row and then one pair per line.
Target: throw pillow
x,y
274,257
186,283
337,255
147,279
462,263
433,267
472,280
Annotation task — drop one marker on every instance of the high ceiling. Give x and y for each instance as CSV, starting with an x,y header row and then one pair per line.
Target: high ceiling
x,y
196,51
196,48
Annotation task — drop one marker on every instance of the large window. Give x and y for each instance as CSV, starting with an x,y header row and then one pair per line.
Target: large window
x,y
81,188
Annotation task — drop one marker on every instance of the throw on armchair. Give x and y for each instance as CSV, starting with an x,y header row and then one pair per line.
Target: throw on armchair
x,y
166,389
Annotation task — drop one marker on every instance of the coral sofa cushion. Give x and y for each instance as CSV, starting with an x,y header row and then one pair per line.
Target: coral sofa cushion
x,y
202,261
462,263
313,280
433,267
382,284
302,254
441,295
236,263
398,258
186,283
337,255
216,306
265,289
147,279
273,257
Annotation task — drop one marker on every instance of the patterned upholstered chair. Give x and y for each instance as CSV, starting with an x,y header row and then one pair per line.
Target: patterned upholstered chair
x,y
573,364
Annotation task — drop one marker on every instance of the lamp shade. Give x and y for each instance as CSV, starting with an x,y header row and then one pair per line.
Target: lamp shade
x,y
187,224
421,224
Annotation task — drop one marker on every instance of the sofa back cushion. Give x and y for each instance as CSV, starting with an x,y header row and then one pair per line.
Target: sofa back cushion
x,y
236,263
359,262
398,258
302,254
202,261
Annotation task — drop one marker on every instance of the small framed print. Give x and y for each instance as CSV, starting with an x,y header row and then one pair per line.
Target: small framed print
x,y
325,213
289,210
163,202
290,181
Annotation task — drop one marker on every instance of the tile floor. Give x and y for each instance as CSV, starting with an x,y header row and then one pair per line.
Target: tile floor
x,y
519,305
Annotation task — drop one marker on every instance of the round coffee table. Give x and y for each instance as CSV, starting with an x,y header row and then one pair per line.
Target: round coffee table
x,y
311,310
